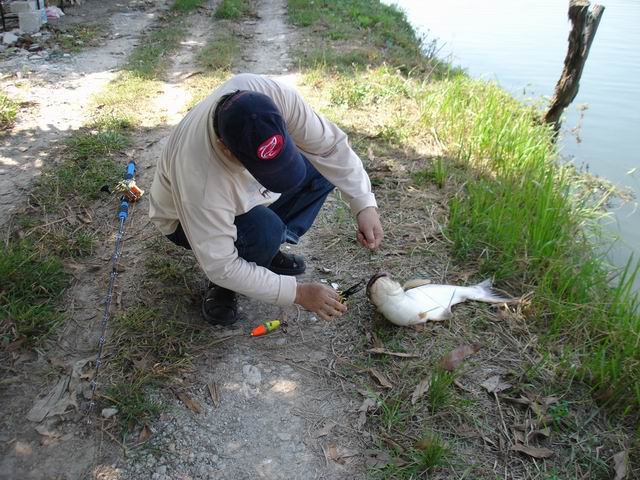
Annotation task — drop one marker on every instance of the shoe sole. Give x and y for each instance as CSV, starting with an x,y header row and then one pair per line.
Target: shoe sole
x,y
212,321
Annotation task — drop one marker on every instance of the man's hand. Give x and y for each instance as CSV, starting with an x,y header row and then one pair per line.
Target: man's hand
x,y
320,299
369,228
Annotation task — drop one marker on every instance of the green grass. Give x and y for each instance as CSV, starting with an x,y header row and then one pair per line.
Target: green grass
x,y
439,395
220,52
185,6
522,216
133,403
31,273
8,111
93,144
149,60
428,453
437,173
76,37
86,167
370,34
125,99
146,331
233,9
31,282
554,247
393,413
150,345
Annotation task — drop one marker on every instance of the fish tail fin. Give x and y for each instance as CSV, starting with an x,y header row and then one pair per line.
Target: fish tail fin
x,y
484,292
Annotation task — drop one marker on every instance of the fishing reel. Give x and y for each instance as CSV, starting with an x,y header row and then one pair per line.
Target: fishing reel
x,y
129,190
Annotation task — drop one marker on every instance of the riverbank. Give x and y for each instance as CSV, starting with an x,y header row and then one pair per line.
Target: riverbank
x,y
513,211
454,163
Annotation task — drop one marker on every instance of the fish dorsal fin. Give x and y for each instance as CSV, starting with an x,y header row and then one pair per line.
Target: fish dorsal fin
x,y
416,282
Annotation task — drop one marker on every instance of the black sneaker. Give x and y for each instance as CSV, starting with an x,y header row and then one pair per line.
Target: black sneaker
x,y
220,306
287,264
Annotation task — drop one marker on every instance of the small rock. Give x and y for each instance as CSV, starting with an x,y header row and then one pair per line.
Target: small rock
x,y
109,412
285,437
162,470
9,38
252,375
23,448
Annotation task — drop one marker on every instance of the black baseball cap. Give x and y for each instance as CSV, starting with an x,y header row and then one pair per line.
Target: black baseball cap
x,y
252,128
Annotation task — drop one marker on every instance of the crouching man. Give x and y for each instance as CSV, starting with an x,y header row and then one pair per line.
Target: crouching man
x,y
245,171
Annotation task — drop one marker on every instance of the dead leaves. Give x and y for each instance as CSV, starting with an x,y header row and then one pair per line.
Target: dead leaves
x,y
382,380
421,389
338,454
63,395
494,385
325,430
145,434
620,461
534,452
455,357
384,351
539,405
213,392
367,405
190,403
378,459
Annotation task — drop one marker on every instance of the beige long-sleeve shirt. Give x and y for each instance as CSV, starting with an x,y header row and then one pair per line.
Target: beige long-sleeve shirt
x,y
204,189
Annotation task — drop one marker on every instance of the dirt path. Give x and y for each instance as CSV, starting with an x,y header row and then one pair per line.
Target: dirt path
x,y
59,93
282,414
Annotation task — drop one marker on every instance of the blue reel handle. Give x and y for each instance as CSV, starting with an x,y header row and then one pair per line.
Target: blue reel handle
x,y
131,170
124,209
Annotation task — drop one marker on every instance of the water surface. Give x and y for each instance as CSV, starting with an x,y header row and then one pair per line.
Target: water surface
x,y
522,45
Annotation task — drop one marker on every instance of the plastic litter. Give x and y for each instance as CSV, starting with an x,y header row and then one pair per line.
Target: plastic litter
x,y
54,13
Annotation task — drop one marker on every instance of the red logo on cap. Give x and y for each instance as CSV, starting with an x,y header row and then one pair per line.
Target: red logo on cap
x,y
270,148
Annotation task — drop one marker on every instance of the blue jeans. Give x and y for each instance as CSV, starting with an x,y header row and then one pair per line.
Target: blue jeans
x,y
262,230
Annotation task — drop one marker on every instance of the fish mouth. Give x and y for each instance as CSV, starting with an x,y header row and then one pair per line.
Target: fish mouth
x,y
373,279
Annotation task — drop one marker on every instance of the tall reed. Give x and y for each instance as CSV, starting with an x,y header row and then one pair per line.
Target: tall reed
x,y
525,215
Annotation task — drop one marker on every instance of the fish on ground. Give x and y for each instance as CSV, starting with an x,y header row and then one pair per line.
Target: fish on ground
x,y
419,302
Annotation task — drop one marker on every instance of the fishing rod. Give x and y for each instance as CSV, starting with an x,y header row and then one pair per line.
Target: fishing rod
x,y
129,194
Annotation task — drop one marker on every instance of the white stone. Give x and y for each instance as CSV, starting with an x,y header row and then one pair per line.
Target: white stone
x,y
252,375
19,7
29,22
109,412
9,38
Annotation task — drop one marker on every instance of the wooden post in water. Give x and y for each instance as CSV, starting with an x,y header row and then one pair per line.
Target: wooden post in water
x,y
584,25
